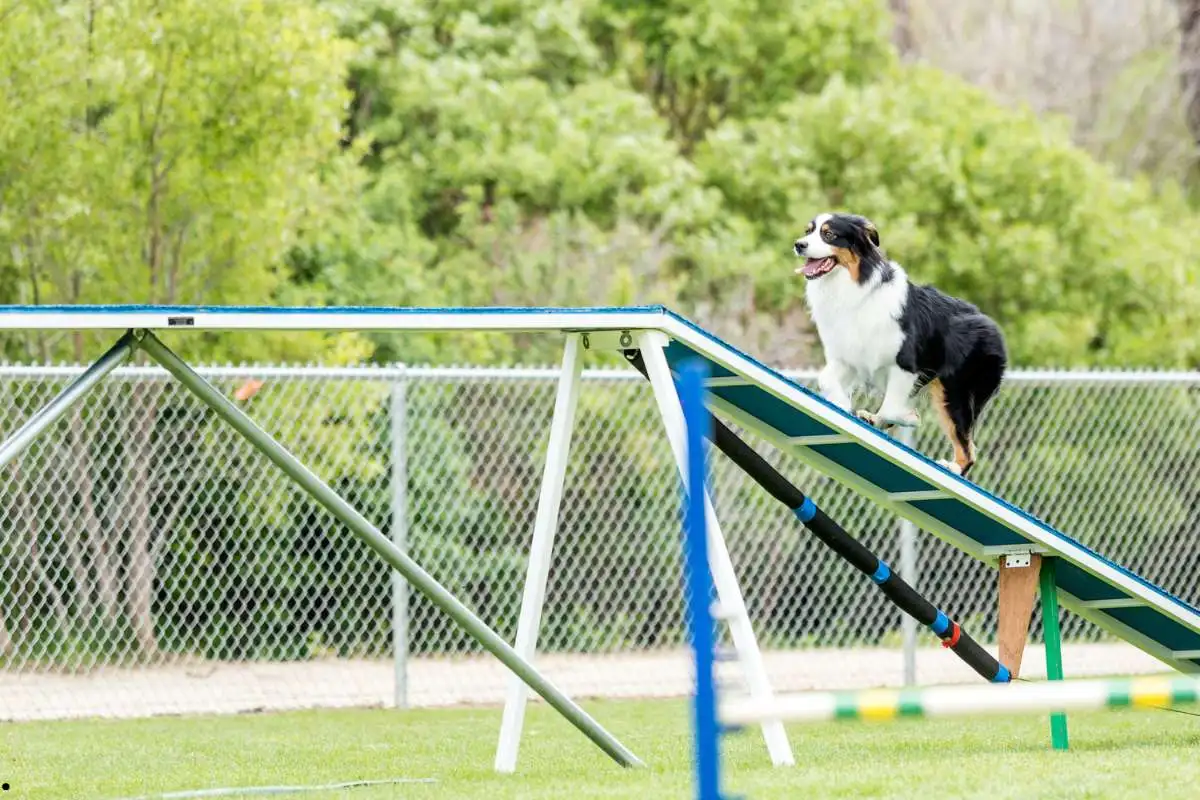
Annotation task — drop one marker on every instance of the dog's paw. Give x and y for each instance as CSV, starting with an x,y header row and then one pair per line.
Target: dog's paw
x,y
868,417
905,419
950,465
908,419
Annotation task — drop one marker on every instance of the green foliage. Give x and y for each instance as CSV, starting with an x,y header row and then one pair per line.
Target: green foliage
x,y
584,152
704,62
580,152
165,152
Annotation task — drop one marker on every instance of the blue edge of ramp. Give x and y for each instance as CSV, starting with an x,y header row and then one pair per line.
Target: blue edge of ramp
x,y
790,416
1116,599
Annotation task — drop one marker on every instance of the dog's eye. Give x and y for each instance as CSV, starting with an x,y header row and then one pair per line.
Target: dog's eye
x,y
827,234
809,229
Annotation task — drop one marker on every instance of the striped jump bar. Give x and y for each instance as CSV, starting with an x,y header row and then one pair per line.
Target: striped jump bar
x,y
949,701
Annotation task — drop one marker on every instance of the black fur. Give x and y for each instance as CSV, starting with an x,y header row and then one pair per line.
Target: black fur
x,y
951,341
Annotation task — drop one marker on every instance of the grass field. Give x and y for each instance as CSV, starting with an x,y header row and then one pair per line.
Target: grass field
x,y
1123,754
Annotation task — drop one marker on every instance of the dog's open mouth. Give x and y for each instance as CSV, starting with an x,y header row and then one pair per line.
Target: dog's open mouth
x,y
816,267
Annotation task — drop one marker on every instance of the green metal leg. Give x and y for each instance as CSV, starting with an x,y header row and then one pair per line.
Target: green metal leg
x,y
15,444
1053,638
386,549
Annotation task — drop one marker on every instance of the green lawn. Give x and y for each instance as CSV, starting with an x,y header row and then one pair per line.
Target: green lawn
x,y
1123,754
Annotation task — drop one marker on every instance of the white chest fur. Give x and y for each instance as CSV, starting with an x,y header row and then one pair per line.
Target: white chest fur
x,y
859,326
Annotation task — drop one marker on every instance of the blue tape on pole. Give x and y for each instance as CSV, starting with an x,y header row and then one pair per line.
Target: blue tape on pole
x,y
1002,675
941,624
882,572
806,511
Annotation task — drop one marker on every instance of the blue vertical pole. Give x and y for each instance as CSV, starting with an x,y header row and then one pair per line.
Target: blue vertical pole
x,y
699,582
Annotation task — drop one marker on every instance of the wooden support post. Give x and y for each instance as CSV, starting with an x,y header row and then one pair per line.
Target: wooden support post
x,y
1018,588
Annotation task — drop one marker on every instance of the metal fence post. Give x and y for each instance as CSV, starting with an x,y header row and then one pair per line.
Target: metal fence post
x,y
398,424
908,568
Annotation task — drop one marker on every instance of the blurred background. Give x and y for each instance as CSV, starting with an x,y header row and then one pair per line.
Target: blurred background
x,y
1038,157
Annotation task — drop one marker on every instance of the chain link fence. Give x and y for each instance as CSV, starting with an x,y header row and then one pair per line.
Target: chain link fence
x,y
151,561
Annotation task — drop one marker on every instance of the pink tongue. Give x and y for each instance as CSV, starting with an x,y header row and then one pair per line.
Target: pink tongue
x,y
815,266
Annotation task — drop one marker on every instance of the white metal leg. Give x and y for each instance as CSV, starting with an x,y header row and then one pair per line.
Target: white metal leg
x,y
729,593
544,528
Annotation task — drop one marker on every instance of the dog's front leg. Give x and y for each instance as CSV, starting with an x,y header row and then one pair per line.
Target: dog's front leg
x,y
896,408
834,383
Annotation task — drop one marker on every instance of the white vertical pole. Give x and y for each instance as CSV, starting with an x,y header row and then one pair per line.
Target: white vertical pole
x,y
729,593
908,568
399,431
544,528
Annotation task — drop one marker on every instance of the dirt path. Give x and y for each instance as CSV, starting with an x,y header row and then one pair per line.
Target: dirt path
x,y
214,687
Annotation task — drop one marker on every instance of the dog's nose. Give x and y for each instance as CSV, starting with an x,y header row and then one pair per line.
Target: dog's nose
x,y
800,246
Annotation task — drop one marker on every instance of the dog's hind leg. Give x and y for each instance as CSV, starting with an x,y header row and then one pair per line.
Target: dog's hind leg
x,y
956,414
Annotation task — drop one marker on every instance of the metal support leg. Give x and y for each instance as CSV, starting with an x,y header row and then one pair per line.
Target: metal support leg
x,y
729,594
545,527
399,442
1053,640
49,414
374,538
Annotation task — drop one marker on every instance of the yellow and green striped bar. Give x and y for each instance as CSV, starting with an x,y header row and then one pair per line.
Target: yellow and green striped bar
x,y
948,701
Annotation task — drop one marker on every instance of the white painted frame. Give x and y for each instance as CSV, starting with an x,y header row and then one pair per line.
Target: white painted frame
x,y
729,594
545,528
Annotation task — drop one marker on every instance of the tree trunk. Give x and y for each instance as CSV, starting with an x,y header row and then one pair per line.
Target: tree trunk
x,y
902,31
141,567
1189,63
5,636
83,525
104,553
29,523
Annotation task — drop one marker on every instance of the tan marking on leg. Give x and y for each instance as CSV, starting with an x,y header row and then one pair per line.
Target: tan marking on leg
x,y
964,452
964,456
937,396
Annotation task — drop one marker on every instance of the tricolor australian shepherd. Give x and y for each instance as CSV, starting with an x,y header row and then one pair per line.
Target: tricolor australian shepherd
x,y
879,331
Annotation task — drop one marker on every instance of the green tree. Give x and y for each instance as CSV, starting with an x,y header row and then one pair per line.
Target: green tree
x,y
161,152
702,63
165,152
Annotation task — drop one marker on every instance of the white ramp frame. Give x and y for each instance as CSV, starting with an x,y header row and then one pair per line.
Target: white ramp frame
x,y
545,526
729,593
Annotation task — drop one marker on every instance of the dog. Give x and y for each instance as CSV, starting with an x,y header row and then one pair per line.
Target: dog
x,y
880,331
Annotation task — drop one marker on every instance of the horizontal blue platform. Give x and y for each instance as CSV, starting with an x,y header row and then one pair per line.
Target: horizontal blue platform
x,y
757,397
340,318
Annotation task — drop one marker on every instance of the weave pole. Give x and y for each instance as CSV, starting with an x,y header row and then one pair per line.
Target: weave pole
x,y
956,701
707,733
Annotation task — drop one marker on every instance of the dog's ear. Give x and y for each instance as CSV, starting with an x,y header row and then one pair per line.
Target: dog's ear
x,y
872,232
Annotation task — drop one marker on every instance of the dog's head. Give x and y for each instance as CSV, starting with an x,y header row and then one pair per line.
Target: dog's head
x,y
839,240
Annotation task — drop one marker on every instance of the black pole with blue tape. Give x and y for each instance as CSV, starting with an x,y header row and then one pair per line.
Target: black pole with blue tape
x,y
894,587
